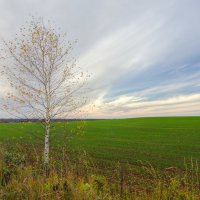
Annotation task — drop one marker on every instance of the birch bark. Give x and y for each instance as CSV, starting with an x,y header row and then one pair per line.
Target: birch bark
x,y
46,145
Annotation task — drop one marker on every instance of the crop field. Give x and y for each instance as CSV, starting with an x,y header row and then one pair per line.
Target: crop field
x,y
162,141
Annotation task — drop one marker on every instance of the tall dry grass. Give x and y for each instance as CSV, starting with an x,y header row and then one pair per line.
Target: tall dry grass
x,y
72,175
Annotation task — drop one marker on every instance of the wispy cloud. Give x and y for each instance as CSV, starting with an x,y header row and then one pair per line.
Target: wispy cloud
x,y
136,107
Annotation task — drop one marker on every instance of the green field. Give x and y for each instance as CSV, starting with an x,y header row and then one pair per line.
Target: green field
x,y
163,141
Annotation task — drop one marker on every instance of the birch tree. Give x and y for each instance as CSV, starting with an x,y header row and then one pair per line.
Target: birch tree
x,y
44,78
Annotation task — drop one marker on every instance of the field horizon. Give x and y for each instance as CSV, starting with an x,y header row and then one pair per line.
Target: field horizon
x,y
87,119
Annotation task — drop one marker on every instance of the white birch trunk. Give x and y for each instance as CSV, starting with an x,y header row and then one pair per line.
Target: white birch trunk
x,y
46,145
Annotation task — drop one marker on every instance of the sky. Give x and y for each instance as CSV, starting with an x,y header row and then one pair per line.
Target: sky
x,y
143,56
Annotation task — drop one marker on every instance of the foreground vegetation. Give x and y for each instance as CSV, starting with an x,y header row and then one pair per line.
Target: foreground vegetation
x,y
72,175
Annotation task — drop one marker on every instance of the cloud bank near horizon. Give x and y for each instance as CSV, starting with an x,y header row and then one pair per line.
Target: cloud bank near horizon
x,y
143,56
